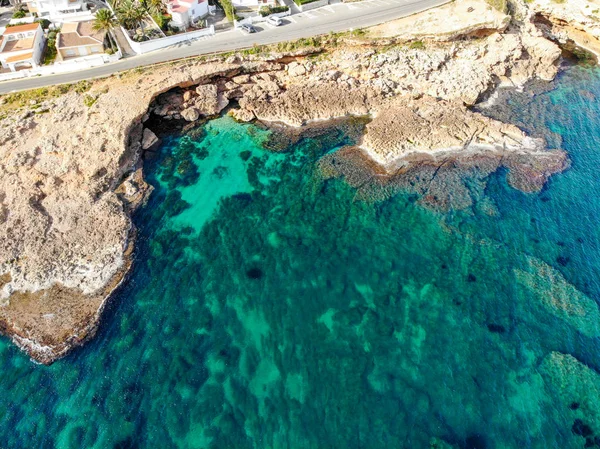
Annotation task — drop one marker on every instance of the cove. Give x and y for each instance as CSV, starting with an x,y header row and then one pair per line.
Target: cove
x,y
269,308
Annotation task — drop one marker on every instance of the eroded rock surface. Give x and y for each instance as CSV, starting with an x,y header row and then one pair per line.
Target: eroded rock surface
x,y
576,21
467,17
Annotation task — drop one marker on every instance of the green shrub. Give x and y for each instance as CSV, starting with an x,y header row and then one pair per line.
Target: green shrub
x,y
229,9
268,10
50,53
162,21
19,14
45,23
417,45
89,100
304,2
82,86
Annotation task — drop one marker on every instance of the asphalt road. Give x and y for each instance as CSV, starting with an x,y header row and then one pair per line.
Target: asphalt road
x,y
333,18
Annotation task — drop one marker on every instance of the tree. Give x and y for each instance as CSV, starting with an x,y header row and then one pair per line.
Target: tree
x,y
154,7
132,15
105,21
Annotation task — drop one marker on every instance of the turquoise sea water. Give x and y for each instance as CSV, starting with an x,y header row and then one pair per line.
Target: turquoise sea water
x,y
268,308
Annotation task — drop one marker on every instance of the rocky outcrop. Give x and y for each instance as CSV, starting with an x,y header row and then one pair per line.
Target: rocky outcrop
x,y
65,231
575,22
406,128
70,177
149,140
467,18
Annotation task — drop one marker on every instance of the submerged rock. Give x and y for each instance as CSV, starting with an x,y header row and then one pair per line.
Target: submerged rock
x,y
568,381
547,286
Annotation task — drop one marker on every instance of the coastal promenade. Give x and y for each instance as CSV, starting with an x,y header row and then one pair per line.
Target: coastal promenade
x,y
333,18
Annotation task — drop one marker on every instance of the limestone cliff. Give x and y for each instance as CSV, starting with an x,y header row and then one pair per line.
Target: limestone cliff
x,y
70,171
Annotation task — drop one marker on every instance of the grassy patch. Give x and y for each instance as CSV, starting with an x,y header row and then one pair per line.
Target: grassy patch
x,y
500,5
417,45
299,43
359,32
304,2
25,98
89,100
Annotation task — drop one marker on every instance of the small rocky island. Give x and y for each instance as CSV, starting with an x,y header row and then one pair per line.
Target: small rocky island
x,y
70,172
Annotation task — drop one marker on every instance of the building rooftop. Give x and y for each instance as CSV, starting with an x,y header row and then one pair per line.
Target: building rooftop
x,y
18,45
79,34
21,28
17,58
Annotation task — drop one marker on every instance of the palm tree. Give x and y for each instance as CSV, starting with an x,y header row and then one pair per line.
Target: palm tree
x,y
154,7
105,21
132,15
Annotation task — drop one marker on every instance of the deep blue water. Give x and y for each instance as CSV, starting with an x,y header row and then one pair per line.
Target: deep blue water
x,y
268,308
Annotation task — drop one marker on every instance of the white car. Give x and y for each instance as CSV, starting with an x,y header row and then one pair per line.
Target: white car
x,y
274,21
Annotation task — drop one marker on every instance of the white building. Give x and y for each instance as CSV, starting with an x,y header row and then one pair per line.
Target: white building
x,y
21,46
186,12
78,39
252,3
57,9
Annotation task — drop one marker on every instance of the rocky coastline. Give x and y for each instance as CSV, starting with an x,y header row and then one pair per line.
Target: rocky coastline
x,y
71,165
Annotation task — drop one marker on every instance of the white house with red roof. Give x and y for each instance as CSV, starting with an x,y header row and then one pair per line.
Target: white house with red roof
x,y
21,46
186,12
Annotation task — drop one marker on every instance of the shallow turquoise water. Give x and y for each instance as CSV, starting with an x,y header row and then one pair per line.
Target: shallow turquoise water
x,y
270,309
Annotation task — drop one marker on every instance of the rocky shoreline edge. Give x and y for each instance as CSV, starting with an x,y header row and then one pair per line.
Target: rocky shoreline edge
x,y
71,165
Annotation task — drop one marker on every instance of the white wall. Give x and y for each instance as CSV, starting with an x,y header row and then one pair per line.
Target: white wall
x,y
258,18
79,16
157,44
200,10
53,6
251,3
22,20
313,5
63,67
38,46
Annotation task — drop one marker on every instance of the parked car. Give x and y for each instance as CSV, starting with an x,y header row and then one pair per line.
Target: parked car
x,y
247,28
274,21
